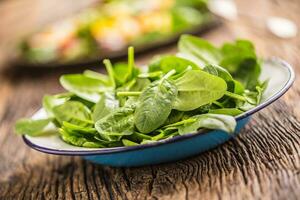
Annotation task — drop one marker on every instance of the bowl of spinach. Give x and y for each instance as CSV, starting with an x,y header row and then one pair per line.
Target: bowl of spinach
x,y
175,107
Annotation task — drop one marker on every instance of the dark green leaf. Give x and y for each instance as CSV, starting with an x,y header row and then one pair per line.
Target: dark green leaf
x,y
155,105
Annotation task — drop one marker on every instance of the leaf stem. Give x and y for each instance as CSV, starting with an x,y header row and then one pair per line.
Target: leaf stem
x,y
235,96
110,72
122,94
170,73
218,104
130,60
183,72
190,120
150,74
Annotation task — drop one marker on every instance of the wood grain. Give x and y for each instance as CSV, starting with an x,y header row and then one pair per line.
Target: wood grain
x,y
262,163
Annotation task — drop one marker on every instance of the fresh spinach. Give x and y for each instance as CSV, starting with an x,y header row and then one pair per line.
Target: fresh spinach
x,y
202,87
155,105
197,88
32,127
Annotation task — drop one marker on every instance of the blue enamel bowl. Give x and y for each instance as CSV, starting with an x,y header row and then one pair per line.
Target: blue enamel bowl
x,y
281,77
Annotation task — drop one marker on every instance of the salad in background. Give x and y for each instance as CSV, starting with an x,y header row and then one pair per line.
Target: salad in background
x,y
111,27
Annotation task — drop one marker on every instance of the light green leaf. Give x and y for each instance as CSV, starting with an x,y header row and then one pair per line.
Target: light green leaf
x,y
85,87
73,112
107,104
32,127
197,88
155,105
209,121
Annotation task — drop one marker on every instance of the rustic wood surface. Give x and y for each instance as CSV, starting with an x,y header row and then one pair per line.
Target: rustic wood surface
x,y
262,163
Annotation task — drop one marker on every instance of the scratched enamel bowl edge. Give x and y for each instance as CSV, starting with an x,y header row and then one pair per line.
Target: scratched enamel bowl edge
x,y
281,77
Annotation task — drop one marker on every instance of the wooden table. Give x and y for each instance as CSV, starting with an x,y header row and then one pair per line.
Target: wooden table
x,y
262,163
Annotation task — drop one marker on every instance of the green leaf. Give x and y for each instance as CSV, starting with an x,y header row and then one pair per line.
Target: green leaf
x,y
168,63
79,141
218,71
197,88
118,123
73,112
198,50
107,104
51,101
209,121
140,84
96,75
85,87
155,105
79,130
128,143
240,60
139,137
32,127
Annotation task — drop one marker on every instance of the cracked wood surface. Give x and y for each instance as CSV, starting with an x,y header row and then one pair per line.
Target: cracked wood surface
x,y
262,163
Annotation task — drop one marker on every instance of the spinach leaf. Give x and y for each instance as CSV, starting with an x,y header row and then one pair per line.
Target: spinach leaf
x,y
129,143
140,84
79,141
96,75
73,112
197,88
107,104
210,121
51,101
32,127
85,87
79,130
218,71
198,50
241,61
138,137
155,105
118,123
168,63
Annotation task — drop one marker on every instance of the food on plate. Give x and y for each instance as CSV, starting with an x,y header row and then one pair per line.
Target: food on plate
x,y
201,87
112,27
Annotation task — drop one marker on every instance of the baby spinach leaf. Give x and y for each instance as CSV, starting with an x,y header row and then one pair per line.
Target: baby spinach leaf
x,y
197,88
167,63
210,121
121,73
199,50
155,105
32,127
174,116
107,104
218,71
85,87
80,130
79,141
241,61
128,143
140,84
51,101
120,122
138,137
96,75
73,112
